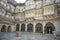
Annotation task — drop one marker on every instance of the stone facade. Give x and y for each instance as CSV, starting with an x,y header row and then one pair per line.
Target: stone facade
x,y
40,16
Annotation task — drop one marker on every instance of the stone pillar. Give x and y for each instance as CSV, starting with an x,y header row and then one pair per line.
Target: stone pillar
x,y
34,28
25,27
15,28
43,28
12,28
20,28
0,27
6,28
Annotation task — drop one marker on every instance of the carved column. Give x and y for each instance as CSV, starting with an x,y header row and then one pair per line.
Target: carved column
x,y
43,28
25,27
34,28
20,28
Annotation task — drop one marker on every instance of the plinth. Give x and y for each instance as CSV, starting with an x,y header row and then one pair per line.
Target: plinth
x,y
18,34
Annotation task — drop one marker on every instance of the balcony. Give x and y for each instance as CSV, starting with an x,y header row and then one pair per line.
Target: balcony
x,y
48,2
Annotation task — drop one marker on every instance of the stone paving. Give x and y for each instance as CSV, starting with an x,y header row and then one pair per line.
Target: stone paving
x,y
26,36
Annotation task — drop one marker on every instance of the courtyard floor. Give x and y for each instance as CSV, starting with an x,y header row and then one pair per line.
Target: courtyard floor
x,y
25,36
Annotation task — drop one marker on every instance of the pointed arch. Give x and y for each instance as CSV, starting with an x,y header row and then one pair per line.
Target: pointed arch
x,y
3,29
39,27
23,27
9,29
30,27
49,28
17,27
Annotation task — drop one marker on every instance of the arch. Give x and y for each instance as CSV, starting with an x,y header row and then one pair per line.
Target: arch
x,y
17,27
23,27
39,27
9,29
3,29
49,28
30,27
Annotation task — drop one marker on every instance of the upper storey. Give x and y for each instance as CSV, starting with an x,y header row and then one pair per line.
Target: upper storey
x,y
6,9
47,2
36,4
7,6
13,7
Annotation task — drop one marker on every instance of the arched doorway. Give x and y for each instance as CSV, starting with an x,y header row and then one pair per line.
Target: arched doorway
x,y
39,27
3,29
9,29
17,27
23,27
49,28
30,27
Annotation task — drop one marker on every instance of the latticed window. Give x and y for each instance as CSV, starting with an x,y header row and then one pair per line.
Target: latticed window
x,y
48,10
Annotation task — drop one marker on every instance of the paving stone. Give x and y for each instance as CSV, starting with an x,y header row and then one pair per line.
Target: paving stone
x,y
26,36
